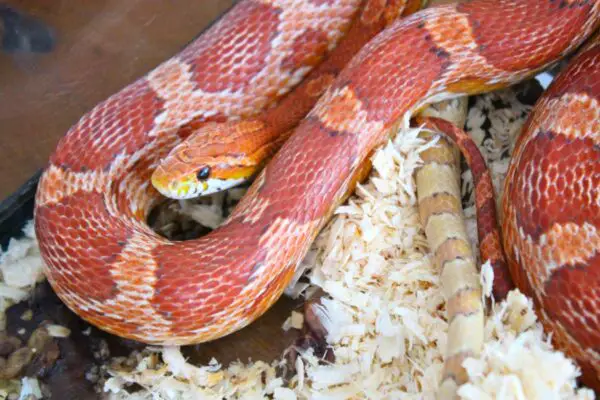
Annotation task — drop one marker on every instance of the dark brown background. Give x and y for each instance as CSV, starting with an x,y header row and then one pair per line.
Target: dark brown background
x,y
101,46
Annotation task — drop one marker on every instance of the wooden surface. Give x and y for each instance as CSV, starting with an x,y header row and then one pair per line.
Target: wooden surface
x,y
100,47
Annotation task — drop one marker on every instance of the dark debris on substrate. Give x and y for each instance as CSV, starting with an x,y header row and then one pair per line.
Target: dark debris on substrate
x,y
72,367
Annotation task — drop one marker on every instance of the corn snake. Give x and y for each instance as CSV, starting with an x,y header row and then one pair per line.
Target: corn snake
x,y
551,210
110,268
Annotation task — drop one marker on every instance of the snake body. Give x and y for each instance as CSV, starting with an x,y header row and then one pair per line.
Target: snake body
x,y
551,211
108,266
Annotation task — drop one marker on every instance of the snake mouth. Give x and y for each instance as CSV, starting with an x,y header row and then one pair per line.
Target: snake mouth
x,y
175,190
215,185
189,187
178,189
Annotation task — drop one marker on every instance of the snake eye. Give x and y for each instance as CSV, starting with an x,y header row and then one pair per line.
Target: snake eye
x,y
203,173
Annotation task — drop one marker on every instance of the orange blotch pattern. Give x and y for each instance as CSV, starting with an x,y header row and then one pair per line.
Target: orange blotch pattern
x,y
80,242
557,183
239,54
551,222
120,124
494,33
307,50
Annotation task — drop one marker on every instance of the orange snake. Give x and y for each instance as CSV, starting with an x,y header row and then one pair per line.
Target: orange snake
x,y
108,266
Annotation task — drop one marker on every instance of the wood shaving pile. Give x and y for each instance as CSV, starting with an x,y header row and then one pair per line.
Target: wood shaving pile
x,y
384,312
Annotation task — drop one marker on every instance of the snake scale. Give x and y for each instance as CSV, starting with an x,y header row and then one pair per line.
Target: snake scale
x,y
93,199
551,210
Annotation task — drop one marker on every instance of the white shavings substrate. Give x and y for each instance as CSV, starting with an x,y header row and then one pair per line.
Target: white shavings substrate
x,y
384,309
21,268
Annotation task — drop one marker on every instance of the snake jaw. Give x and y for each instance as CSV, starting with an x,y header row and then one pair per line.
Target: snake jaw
x,y
189,187
215,185
172,187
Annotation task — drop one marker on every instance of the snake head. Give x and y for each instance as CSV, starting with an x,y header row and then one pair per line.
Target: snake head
x,y
214,158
